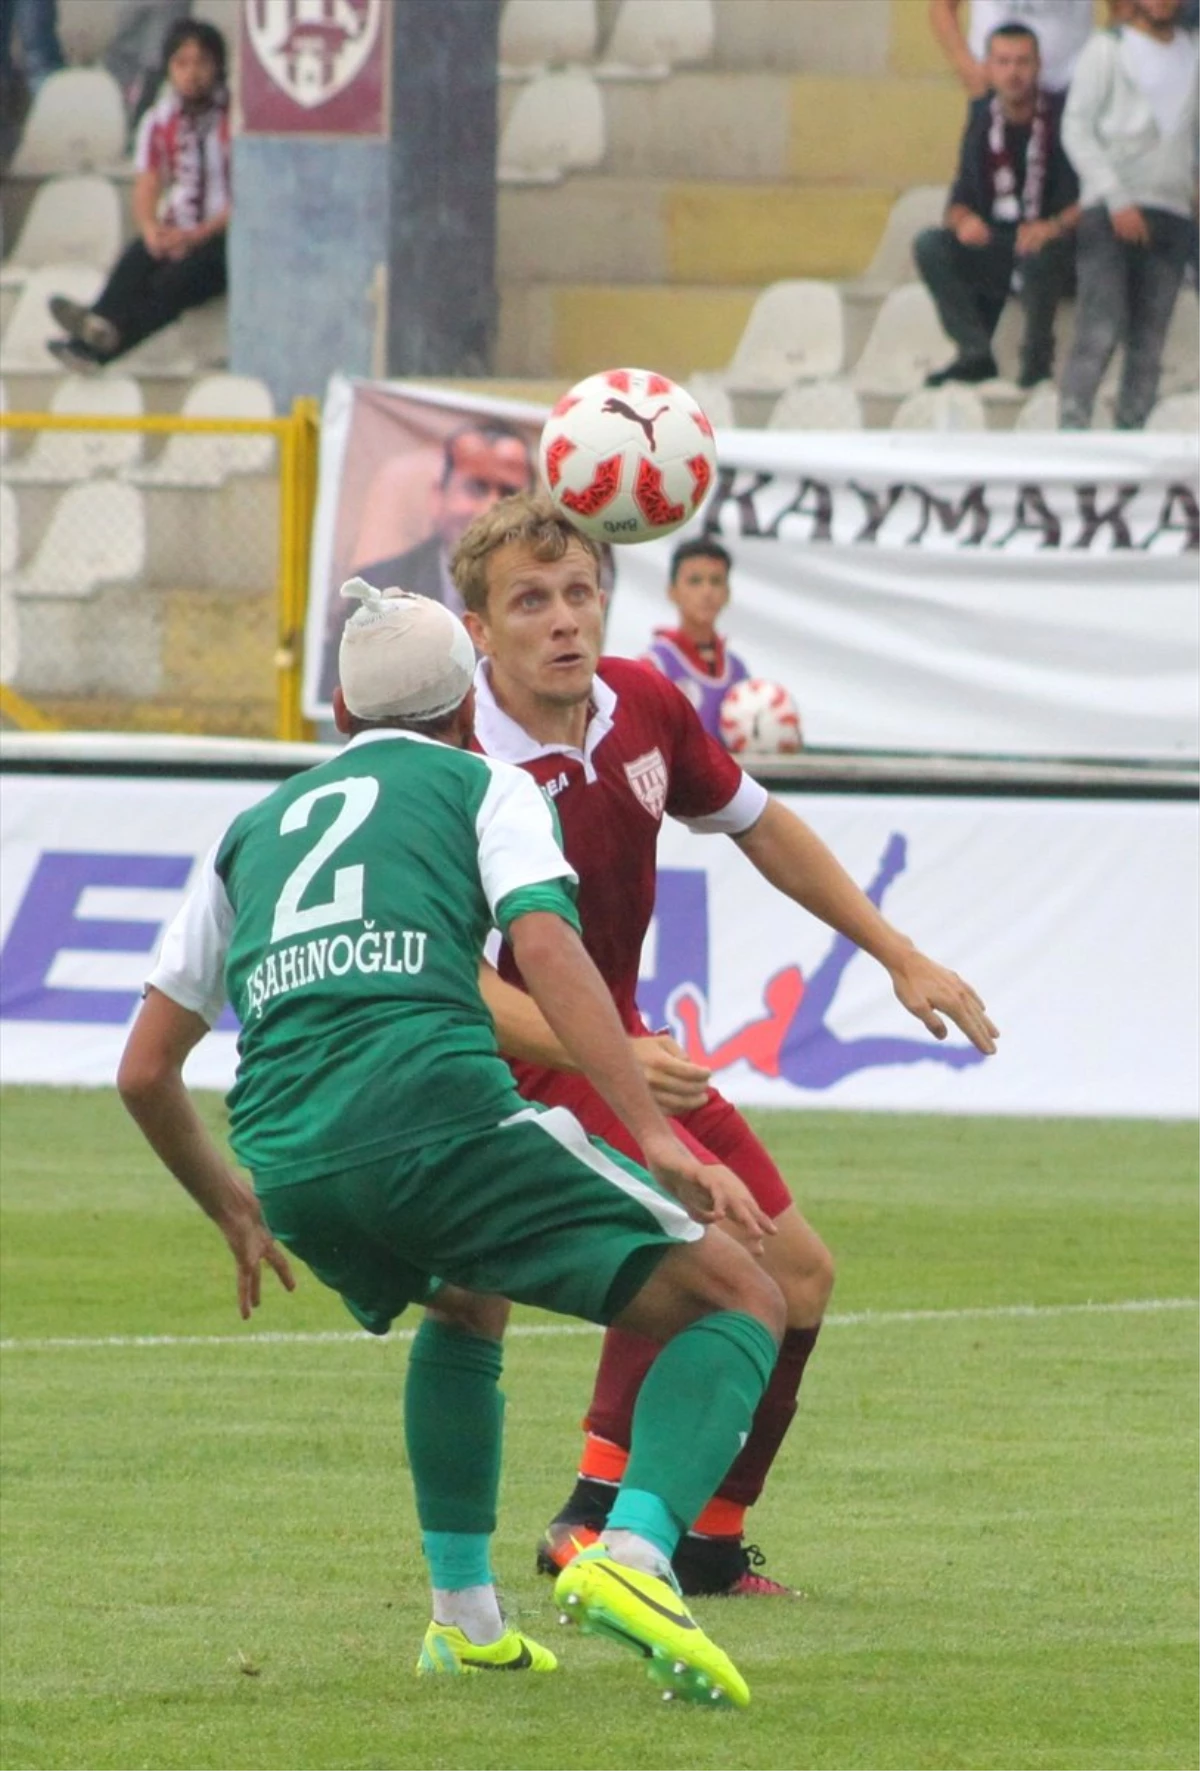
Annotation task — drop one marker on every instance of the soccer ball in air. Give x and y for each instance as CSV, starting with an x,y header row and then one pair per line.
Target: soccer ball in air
x,y
760,719
627,456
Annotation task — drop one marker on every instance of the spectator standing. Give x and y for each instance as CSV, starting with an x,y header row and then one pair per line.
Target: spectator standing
x,y
34,23
181,203
1062,27
1009,222
1130,127
693,655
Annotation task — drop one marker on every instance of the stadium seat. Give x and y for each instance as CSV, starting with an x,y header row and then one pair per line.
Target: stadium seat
x,y
1180,368
23,346
208,459
61,457
72,220
1040,411
1178,412
77,124
794,333
87,27
713,396
921,207
97,536
556,126
904,344
10,530
5,435
650,37
538,34
941,408
817,405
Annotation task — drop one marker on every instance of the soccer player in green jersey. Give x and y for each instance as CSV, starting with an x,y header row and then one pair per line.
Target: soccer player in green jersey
x,y
343,915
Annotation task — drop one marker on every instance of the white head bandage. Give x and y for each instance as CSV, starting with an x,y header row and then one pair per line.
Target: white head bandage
x,y
402,656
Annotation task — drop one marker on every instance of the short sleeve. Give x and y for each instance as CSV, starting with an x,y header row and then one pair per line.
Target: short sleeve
x,y
517,835
190,967
144,149
708,791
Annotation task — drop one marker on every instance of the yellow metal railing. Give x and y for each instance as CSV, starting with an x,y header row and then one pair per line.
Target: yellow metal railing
x,y
297,437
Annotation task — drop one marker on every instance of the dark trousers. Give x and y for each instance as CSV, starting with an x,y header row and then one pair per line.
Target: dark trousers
x,y
970,285
143,294
1126,295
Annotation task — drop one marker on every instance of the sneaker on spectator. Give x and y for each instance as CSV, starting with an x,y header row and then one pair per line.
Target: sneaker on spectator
x,y
964,369
85,327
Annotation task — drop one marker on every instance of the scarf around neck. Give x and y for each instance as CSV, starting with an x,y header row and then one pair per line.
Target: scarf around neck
x,y
1007,204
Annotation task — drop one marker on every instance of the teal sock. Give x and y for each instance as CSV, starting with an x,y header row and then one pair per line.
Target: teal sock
x,y
458,1559
453,1421
692,1416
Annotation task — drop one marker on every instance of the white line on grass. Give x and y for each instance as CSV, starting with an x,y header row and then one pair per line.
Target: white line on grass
x,y
851,1319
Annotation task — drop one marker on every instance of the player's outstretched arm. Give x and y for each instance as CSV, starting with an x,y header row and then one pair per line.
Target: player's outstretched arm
x,y
150,1080
795,861
522,1032
576,1003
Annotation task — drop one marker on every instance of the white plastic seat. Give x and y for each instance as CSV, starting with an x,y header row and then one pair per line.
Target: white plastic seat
x,y
72,220
1178,412
97,535
555,126
924,206
77,124
208,458
1040,411
537,34
650,37
5,435
710,392
10,530
794,333
941,408
904,345
817,405
61,457
23,346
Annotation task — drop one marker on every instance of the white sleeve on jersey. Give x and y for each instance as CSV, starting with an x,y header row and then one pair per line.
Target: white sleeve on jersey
x,y
736,815
515,831
190,967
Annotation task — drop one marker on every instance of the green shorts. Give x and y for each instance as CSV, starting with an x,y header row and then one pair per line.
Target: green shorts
x,y
533,1209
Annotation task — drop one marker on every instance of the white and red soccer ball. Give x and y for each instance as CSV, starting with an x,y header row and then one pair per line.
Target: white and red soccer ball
x,y
628,456
760,719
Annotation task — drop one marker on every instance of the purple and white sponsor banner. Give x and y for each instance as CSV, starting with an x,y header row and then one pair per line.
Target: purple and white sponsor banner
x,y
1075,919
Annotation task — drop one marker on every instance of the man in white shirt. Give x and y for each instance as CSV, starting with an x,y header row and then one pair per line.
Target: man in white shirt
x,y
1062,27
1130,127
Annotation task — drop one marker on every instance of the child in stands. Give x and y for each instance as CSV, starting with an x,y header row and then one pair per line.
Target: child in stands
x,y
693,655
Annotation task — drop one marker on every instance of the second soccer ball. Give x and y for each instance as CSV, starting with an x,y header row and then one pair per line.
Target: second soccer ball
x,y
760,718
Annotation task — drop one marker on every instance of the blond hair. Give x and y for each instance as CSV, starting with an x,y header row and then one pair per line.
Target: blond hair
x,y
527,519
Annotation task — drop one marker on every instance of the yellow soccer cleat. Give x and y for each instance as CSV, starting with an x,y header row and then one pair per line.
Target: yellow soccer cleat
x,y
642,1612
446,1650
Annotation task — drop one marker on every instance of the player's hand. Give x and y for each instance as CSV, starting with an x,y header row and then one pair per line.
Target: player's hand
x,y
1131,226
709,1192
251,1243
678,1085
924,987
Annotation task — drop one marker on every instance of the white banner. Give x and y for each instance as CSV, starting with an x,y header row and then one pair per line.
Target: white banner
x,y
983,594
1076,921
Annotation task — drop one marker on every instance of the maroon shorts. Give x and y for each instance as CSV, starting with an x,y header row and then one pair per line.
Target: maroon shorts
x,y
715,1132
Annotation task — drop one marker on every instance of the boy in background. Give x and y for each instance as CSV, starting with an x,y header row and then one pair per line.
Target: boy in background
x,y
693,655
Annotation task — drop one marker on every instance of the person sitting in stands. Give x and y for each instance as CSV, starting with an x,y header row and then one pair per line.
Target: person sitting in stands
x,y
1010,220
693,655
181,203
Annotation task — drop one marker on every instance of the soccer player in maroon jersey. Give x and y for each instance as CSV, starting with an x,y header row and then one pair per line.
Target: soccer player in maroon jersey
x,y
618,747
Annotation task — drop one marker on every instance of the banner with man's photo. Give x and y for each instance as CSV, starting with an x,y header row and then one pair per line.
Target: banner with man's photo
x,y
993,593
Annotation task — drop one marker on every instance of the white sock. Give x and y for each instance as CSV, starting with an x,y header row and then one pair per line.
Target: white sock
x,y
473,1610
637,1552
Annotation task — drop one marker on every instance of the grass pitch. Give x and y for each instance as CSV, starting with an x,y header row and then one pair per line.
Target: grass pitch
x,y
211,1556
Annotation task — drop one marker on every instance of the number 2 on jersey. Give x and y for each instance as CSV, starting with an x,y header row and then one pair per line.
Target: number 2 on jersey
x,y
346,905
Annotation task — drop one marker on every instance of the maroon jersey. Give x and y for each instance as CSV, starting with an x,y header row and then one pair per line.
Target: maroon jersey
x,y
645,755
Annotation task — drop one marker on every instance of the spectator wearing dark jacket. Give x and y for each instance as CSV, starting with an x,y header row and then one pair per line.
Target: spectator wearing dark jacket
x,y
1009,222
